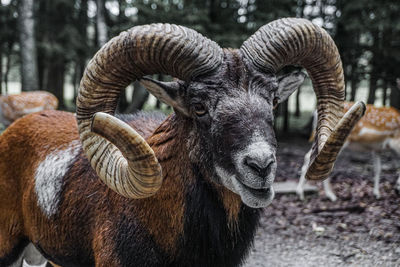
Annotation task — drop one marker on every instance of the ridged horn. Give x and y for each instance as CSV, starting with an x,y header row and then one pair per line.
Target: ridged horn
x,y
294,41
122,159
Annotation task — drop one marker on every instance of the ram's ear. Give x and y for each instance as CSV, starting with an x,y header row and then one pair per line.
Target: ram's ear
x,y
288,84
169,93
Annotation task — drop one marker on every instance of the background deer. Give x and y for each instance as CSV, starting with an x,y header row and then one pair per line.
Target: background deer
x,y
15,106
377,131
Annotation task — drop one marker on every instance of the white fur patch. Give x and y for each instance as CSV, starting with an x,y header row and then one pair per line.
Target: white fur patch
x,y
49,177
25,264
32,110
227,179
244,182
368,131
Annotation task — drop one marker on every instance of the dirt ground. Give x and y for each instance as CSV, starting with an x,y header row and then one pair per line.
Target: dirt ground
x,y
356,230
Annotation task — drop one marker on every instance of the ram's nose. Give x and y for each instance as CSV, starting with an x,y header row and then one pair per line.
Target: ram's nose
x,y
260,166
256,165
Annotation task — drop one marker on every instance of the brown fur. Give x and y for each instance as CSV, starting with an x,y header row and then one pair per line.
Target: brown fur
x,y
232,204
32,139
177,176
26,140
171,195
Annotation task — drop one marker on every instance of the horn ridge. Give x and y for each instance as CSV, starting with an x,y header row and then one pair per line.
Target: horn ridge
x,y
295,41
122,159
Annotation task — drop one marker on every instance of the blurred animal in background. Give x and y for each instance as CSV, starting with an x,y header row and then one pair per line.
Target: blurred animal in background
x,y
376,132
16,106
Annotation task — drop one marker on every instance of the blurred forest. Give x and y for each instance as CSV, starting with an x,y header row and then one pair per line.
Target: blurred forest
x,y
46,44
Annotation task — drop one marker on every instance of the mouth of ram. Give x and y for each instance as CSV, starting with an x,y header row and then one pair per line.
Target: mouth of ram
x,y
256,191
252,196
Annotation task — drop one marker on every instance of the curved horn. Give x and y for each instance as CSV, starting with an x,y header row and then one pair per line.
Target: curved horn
x,y
133,170
294,41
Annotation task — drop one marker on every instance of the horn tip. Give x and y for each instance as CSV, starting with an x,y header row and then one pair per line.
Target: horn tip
x,y
356,112
361,107
97,120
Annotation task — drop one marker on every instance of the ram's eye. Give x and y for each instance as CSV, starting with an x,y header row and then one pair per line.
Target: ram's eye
x,y
199,109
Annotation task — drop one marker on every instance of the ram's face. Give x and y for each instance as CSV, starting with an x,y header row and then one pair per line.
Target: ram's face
x,y
234,123
232,116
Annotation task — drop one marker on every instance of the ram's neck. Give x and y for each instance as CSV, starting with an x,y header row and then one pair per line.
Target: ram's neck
x,y
169,141
212,237
173,142
193,213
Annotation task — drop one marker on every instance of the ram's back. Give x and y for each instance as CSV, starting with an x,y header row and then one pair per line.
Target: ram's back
x,y
46,183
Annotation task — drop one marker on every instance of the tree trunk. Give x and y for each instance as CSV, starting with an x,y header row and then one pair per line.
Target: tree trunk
x,y
42,68
42,37
8,66
395,94
213,10
101,25
55,81
29,73
158,104
384,95
122,102
354,85
373,84
82,66
1,71
82,53
297,111
123,105
161,78
139,97
75,80
285,106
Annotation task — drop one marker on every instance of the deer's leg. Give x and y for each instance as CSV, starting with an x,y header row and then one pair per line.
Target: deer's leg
x,y
328,190
377,173
327,183
397,187
394,144
302,181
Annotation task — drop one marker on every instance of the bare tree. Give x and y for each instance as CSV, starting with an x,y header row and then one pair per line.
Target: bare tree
x,y
1,71
101,25
9,51
139,97
29,74
395,94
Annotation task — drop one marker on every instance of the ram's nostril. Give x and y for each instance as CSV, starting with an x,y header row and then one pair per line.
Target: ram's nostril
x,y
253,164
259,167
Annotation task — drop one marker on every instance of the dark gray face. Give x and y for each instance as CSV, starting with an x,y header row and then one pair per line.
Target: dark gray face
x,y
236,122
232,116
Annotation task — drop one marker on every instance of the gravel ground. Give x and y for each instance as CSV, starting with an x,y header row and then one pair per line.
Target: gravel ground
x,y
356,230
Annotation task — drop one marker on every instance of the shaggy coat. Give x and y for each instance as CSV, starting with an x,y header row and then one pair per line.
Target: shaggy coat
x,y
191,221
